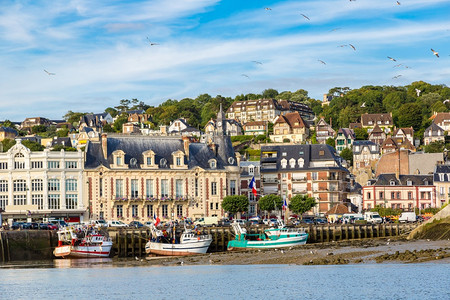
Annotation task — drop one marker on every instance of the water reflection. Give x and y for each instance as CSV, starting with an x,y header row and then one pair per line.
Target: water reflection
x,y
82,263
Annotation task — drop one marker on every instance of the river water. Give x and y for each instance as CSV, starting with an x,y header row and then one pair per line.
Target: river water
x,y
67,279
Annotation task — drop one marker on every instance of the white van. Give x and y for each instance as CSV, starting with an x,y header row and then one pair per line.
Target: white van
x,y
99,223
351,217
407,216
372,217
207,221
119,224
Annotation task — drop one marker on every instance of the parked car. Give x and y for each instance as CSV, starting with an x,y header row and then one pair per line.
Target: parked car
x,y
58,223
253,222
224,222
148,223
320,221
115,223
43,226
136,224
99,223
307,221
240,221
17,225
52,226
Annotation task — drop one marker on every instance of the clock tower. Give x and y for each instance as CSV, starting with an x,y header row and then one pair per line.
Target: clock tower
x,y
220,122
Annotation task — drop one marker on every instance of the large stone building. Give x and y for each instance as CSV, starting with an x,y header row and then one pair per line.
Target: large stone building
x,y
313,170
131,178
41,184
266,110
250,170
404,192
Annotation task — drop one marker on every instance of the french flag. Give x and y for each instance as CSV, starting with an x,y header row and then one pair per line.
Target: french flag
x,y
252,185
157,220
285,204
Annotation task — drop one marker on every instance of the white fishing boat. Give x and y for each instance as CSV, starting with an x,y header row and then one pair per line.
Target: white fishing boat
x,y
278,237
82,241
191,242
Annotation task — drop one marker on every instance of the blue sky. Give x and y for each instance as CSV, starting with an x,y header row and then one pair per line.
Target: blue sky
x,y
99,52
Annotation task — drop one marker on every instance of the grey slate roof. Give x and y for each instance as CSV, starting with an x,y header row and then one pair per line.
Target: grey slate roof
x,y
163,147
386,179
442,169
309,153
434,130
363,144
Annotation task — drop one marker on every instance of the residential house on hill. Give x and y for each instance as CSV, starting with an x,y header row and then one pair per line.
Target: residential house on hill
x,y
255,128
384,121
377,135
404,192
441,179
130,128
95,121
391,144
29,123
402,134
344,139
313,170
138,116
7,133
433,133
442,120
324,131
233,127
290,127
365,154
180,126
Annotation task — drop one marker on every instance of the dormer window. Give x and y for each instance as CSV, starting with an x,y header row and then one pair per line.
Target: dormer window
x,y
425,182
149,160
119,159
212,163
301,162
283,163
251,170
392,182
292,163
409,182
178,160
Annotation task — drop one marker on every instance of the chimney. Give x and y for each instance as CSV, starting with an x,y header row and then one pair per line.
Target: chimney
x,y
104,140
238,158
186,143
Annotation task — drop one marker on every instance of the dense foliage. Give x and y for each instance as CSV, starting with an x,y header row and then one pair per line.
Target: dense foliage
x,y
235,204
300,204
270,202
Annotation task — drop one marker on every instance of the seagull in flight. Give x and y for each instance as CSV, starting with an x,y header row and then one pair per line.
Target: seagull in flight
x,y
398,3
352,47
267,8
151,43
305,16
435,53
322,61
393,59
396,66
257,62
49,73
342,46
335,29
245,75
363,105
395,77
418,92
446,100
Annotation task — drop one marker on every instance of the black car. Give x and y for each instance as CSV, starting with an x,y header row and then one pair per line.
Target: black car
x,y
136,224
307,221
320,221
17,225
43,226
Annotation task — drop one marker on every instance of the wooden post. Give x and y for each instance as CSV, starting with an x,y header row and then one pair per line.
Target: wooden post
x,y
118,244
140,242
125,254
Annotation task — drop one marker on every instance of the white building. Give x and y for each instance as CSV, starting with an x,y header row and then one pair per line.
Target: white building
x,y
37,185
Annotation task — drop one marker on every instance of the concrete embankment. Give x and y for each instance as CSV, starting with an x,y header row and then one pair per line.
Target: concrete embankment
x,y
27,245
436,228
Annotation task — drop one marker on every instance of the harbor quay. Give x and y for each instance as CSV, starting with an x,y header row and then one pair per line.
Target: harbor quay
x,y
22,245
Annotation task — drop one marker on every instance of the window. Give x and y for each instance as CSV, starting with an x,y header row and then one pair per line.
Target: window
x,y
134,188
164,188
119,188
53,185
71,185
20,199
292,163
196,187
409,182
134,211
53,164
165,210
398,195
71,201
392,182
217,205
53,201
118,160
211,205
37,164
381,195
251,197
19,185
178,188
213,188
300,162
71,164
3,165
3,201
37,185
149,211
178,161
212,164
368,195
3,185
38,199
19,165
179,211
283,163
149,188
410,196
442,189
392,195
251,170
119,211
232,187
314,175
149,161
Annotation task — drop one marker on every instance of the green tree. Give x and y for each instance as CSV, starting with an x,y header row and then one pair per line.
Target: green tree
x,y
434,147
38,129
410,115
7,144
347,154
235,204
119,122
60,147
300,204
361,134
33,146
269,94
8,123
112,111
73,117
330,141
62,132
107,128
270,202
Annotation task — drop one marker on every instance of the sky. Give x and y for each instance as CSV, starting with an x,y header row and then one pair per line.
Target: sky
x,y
85,55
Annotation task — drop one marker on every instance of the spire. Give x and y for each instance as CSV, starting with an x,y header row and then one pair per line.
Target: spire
x,y
220,124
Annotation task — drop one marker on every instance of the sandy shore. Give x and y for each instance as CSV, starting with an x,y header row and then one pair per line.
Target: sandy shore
x,y
346,252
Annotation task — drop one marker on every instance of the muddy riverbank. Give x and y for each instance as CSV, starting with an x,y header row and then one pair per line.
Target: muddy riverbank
x,y
382,250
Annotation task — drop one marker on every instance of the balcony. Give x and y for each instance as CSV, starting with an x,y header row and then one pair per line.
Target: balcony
x,y
297,179
271,159
300,191
270,180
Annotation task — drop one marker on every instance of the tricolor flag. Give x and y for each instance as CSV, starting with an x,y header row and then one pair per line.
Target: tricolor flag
x,y
252,185
285,204
157,220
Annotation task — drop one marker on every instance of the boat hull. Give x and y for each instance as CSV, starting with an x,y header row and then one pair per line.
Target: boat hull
x,y
268,244
167,249
82,251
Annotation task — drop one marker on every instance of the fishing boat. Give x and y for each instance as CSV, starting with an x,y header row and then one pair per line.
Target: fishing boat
x,y
82,241
278,237
191,242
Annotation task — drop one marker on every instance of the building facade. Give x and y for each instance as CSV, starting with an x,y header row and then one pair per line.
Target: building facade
x,y
290,127
441,179
35,186
248,171
384,121
344,139
405,192
433,133
313,170
324,131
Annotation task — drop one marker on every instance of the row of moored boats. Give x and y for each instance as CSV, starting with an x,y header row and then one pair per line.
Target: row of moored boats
x,y
87,241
